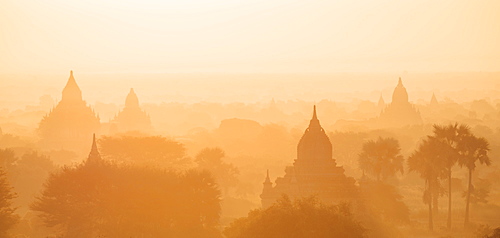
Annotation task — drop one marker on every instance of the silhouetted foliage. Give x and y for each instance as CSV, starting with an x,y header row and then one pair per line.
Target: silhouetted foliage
x,y
480,192
99,199
225,173
301,218
449,136
7,158
7,217
381,158
385,201
430,164
151,149
472,149
485,231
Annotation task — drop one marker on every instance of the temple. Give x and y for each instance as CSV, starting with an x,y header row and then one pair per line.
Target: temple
x,y
314,172
132,118
400,112
381,103
70,125
94,155
434,101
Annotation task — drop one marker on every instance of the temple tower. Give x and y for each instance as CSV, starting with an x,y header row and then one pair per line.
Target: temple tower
x,y
400,112
314,172
132,118
71,123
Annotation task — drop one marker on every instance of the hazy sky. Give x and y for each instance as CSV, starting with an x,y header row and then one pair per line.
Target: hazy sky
x,y
271,36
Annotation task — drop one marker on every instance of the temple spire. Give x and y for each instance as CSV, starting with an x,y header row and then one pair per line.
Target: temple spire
x,y
132,101
381,102
434,101
314,123
268,180
94,153
400,82
71,91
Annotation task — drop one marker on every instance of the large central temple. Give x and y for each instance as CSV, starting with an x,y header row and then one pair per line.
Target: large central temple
x,y
314,172
71,123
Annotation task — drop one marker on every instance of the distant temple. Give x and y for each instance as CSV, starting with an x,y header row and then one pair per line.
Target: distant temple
x,y
381,103
132,118
314,172
71,123
400,112
94,155
434,101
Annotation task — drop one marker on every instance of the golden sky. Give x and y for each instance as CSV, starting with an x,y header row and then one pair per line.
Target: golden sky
x,y
271,36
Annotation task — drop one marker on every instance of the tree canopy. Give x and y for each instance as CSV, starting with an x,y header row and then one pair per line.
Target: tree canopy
x,y
7,216
156,150
381,158
108,200
301,218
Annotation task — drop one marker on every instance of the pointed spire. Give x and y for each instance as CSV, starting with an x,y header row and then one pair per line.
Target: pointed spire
x,y
399,96
314,123
94,153
314,113
381,102
268,180
434,100
132,101
71,91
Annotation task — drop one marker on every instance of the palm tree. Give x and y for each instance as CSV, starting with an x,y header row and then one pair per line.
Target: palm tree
x,y
381,158
472,149
450,135
428,162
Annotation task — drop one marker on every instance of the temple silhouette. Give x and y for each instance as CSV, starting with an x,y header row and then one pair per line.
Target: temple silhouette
x,y
71,123
400,112
314,172
132,117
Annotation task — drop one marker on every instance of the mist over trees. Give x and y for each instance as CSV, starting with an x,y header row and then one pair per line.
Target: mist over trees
x,y
105,199
198,170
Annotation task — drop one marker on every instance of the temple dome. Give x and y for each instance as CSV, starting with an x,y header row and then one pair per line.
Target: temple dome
x,y
314,144
132,101
400,96
71,91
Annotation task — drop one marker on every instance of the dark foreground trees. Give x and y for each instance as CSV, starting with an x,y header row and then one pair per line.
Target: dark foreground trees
x,y
472,149
438,153
100,199
301,218
7,216
429,163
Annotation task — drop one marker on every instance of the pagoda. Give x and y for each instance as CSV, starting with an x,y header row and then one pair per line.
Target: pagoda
x,y
400,112
313,173
71,123
132,117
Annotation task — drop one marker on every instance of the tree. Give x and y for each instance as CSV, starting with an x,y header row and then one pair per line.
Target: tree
x,y
472,149
140,150
101,199
450,136
429,163
381,158
225,173
384,201
7,158
7,217
301,218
